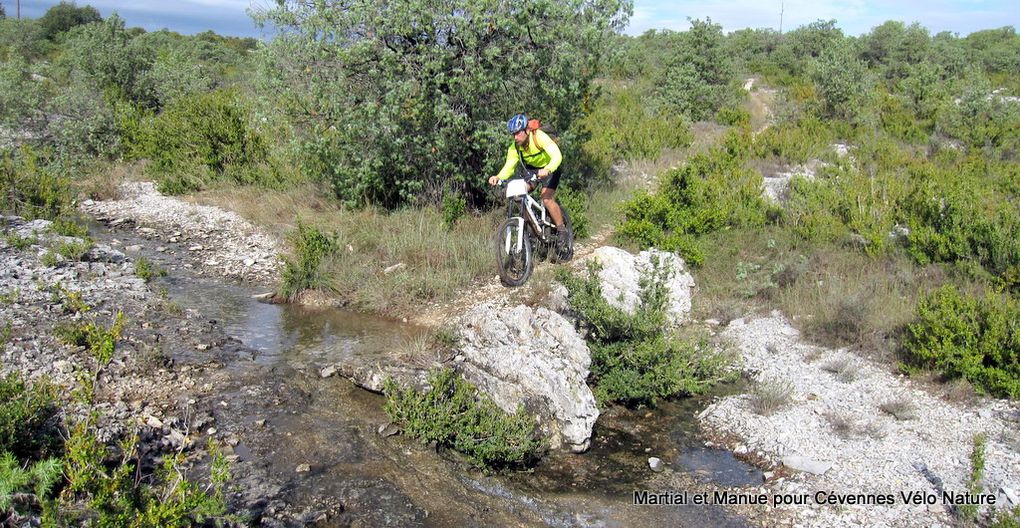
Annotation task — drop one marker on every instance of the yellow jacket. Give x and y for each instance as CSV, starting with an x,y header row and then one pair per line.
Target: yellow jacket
x,y
539,151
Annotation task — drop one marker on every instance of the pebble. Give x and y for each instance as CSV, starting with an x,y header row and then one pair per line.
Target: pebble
x,y
304,468
655,464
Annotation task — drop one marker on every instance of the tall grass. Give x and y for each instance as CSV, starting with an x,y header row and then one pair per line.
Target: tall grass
x,y
437,263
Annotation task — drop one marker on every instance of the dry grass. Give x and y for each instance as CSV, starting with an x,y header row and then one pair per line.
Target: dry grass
x,y
104,182
900,407
842,423
845,368
770,395
437,263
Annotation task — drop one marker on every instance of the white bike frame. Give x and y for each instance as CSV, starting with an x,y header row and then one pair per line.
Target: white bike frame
x,y
519,188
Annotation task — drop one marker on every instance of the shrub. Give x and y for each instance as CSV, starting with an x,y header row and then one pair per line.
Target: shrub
x,y
146,270
115,497
305,271
100,341
69,228
30,189
26,414
453,415
75,250
711,192
967,337
576,204
454,207
632,361
38,480
208,132
770,395
627,124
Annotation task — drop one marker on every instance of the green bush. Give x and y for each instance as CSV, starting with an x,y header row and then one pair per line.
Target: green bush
x,y
305,271
453,415
626,125
203,138
38,480
31,190
711,192
454,207
795,141
977,339
632,361
26,415
957,213
576,204
110,494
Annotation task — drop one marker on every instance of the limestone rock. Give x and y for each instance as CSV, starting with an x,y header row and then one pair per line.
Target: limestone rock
x,y
805,464
536,358
622,271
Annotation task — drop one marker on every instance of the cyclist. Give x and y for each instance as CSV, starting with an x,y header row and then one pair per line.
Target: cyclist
x,y
535,151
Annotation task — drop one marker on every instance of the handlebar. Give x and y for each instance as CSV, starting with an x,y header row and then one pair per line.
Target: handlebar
x,y
531,179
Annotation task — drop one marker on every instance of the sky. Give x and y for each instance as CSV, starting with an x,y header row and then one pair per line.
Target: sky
x,y
854,17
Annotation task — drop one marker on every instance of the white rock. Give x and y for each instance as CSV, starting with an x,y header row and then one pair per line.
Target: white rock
x,y
395,267
622,271
655,463
807,465
328,371
532,357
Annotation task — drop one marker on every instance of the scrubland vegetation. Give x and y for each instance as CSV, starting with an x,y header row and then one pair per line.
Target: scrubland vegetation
x,y
364,136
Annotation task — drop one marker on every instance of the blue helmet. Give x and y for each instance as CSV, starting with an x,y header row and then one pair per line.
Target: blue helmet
x,y
517,123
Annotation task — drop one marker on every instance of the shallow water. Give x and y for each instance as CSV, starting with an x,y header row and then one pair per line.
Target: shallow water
x,y
286,415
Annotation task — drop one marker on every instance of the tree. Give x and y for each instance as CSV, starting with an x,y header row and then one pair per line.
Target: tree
x,y
65,16
841,80
398,100
698,73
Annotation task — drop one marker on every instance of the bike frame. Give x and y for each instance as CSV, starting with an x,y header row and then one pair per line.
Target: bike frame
x,y
528,207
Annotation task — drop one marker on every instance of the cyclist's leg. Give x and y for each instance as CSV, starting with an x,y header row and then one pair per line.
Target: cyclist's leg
x,y
549,199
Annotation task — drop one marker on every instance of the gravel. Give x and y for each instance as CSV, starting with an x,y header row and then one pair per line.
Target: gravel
x,y
218,242
883,454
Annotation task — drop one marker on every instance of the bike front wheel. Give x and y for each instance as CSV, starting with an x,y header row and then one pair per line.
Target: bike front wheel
x,y
513,252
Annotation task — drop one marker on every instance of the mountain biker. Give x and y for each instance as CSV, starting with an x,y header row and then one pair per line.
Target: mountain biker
x,y
536,151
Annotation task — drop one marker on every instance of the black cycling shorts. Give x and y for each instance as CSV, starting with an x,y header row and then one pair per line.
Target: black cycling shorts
x,y
551,181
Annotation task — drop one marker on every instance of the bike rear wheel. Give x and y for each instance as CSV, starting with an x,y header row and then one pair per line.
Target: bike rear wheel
x,y
513,252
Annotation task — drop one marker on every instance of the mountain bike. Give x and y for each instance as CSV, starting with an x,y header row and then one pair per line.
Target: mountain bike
x,y
528,233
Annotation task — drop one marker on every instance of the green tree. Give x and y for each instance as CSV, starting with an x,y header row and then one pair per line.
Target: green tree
x,y
65,16
698,73
20,97
399,100
106,57
894,48
997,49
841,80
22,37
798,47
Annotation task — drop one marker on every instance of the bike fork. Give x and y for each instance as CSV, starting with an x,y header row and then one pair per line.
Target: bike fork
x,y
520,238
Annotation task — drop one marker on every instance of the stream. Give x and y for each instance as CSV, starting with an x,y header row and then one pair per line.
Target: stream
x,y
312,442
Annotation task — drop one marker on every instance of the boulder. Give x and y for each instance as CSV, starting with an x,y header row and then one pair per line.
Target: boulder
x,y
622,271
533,357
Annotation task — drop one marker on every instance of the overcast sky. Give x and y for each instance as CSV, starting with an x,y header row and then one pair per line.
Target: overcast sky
x,y
229,17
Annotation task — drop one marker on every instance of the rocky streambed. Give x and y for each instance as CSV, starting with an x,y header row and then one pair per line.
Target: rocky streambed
x,y
278,385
